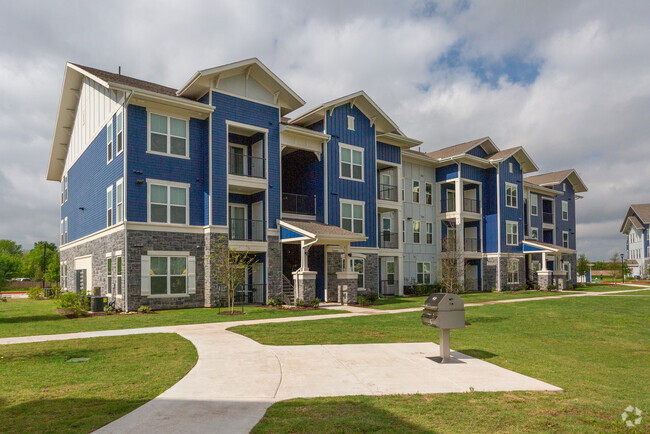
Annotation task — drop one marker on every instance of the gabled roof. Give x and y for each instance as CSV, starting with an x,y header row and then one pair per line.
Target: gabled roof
x,y
361,100
522,157
105,77
554,178
320,231
201,82
533,246
642,211
463,148
637,215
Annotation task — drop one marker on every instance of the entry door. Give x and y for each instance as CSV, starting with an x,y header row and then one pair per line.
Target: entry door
x,y
257,160
258,283
237,160
386,189
386,228
257,223
238,222
472,276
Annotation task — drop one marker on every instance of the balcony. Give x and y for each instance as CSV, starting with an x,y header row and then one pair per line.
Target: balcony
x,y
387,192
388,240
447,206
299,204
471,245
247,230
471,205
246,165
547,217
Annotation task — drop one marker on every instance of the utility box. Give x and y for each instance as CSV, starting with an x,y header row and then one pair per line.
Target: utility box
x,y
97,304
445,312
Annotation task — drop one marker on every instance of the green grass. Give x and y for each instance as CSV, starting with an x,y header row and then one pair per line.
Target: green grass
x,y
595,348
41,392
475,297
606,288
24,317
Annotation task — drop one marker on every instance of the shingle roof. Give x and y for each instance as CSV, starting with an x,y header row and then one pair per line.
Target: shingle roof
x,y
504,154
549,178
321,229
643,211
128,81
636,222
459,149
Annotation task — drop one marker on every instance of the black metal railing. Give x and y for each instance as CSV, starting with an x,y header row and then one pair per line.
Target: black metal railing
x,y
387,192
471,205
243,294
547,217
298,204
388,240
246,165
447,206
247,230
471,245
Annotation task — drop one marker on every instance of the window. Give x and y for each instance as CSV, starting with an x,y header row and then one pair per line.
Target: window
x,y
429,229
168,135
563,187
565,239
62,233
358,266
168,203
565,210
352,217
119,275
351,123
109,274
119,147
423,272
428,193
416,231
62,191
534,234
416,191
510,167
65,180
109,142
535,266
451,201
168,275
403,231
511,195
390,272
65,230
533,204
119,199
351,162
65,276
566,266
451,239
512,233
109,206
513,272
403,182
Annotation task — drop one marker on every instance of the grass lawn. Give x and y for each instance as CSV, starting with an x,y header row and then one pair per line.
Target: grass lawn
x,y
41,392
25,317
596,348
606,288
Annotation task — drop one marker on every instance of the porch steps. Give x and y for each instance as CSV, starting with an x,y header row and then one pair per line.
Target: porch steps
x,y
287,291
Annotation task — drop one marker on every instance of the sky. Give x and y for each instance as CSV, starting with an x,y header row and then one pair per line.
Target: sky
x,y
567,80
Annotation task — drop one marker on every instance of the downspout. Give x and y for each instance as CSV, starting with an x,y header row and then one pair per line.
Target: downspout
x,y
303,253
125,268
498,227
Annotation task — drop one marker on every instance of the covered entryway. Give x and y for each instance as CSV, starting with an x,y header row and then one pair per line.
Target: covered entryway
x,y
546,275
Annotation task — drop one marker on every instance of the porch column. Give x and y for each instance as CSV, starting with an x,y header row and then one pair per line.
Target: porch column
x,y
460,226
544,262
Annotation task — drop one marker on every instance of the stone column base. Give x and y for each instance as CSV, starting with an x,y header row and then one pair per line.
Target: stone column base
x,y
304,284
561,279
347,286
544,279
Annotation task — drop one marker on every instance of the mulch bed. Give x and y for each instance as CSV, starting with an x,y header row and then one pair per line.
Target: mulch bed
x,y
293,308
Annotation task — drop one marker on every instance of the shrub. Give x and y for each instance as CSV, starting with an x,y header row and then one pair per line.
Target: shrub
x,y
277,301
552,287
144,309
72,302
300,302
536,287
524,287
362,300
315,302
35,293
109,308
372,297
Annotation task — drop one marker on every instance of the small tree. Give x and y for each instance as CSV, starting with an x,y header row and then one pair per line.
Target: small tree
x,y
9,268
582,266
228,268
452,263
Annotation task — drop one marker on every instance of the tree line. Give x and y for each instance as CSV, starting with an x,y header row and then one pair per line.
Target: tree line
x,y
16,262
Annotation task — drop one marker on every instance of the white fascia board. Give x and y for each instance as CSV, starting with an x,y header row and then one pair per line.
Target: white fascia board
x,y
397,140
204,110
538,188
304,132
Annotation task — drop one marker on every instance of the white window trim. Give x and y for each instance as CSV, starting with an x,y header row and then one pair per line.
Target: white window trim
x,y
169,275
65,227
245,154
62,239
424,273
119,216
245,208
390,261
363,275
350,123
66,188
508,273
109,141
428,197
419,231
168,116
111,208
516,190
565,203
413,191
510,223
363,213
151,182
510,167
111,275
428,225
567,239
352,149
118,152
536,213
536,232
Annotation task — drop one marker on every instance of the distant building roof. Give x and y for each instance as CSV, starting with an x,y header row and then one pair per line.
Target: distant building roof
x,y
554,178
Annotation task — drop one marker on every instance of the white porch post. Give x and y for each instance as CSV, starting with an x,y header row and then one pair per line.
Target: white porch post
x,y
346,253
544,261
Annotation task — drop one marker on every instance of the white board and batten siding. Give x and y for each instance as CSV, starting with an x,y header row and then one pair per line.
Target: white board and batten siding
x,y
96,106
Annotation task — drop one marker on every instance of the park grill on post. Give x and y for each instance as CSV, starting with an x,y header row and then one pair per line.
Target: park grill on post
x,y
445,312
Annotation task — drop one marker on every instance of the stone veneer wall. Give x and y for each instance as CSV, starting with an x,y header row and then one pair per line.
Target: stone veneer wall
x,y
98,248
490,272
140,242
210,282
274,268
371,273
333,266
572,278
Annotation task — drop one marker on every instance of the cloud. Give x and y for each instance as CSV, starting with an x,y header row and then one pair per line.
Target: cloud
x,y
570,81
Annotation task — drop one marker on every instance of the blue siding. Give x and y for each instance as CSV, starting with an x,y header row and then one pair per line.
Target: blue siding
x,y
230,108
490,219
88,179
143,165
288,233
318,126
363,136
472,172
447,173
561,225
303,174
478,152
508,213
390,153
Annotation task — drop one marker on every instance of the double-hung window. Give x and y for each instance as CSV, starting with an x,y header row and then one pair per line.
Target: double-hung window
x,y
416,231
534,234
118,290
352,216
429,233
167,135
168,275
62,192
65,182
428,193
62,233
119,201
416,191
65,230
109,206
512,233
358,266
565,239
168,203
351,158
533,204
566,266
423,272
119,130
390,272
565,210
109,274
511,195
513,272
109,142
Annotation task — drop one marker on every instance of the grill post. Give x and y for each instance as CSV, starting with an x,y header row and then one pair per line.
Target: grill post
x,y
445,354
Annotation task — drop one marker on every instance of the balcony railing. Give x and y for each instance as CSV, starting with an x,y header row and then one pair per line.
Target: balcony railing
x,y
471,245
246,165
471,205
387,192
388,240
299,204
247,230
547,217
447,206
